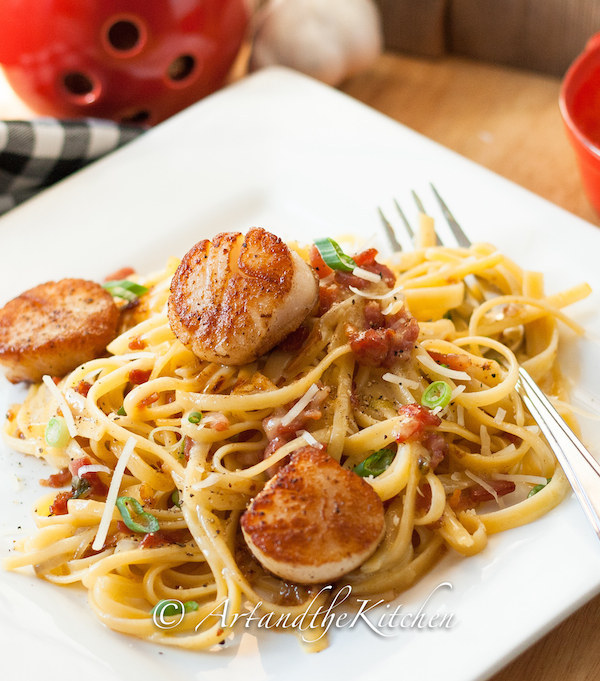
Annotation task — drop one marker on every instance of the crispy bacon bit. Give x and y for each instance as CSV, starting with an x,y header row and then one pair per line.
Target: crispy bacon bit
x,y
295,340
451,360
317,263
137,343
478,494
123,273
83,388
96,485
59,505
436,445
279,434
472,496
160,538
329,295
415,422
367,261
383,345
59,479
188,443
217,421
139,376
149,399
56,379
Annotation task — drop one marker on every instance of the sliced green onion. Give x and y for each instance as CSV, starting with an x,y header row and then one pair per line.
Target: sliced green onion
x,y
80,488
57,433
123,288
190,606
437,394
134,516
333,255
121,411
195,417
175,500
537,488
375,464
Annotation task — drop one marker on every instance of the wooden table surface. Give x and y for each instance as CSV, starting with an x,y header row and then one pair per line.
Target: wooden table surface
x,y
508,121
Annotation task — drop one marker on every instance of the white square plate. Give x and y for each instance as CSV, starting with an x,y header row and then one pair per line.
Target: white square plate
x,y
281,151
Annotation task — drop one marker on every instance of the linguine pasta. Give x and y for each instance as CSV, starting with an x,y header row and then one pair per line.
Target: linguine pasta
x,y
188,440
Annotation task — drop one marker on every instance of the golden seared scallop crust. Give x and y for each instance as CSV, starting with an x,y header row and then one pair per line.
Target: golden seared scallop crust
x,y
235,298
314,521
54,327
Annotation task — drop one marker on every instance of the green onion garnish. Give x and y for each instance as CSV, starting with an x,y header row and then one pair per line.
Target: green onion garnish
x,y
175,500
195,417
80,488
123,288
333,255
537,488
375,464
121,411
57,433
437,394
144,522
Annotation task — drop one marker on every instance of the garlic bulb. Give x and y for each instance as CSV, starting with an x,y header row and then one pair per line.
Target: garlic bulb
x,y
326,39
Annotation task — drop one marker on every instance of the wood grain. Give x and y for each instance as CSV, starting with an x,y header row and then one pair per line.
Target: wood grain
x,y
505,119
508,121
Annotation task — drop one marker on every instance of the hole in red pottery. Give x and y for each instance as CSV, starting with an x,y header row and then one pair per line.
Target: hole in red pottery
x,y
136,117
181,68
80,87
123,35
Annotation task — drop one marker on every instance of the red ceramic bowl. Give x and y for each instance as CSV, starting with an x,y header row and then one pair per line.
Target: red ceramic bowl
x,y
129,60
580,109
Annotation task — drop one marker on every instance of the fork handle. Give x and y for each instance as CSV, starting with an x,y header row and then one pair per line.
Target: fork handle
x,y
580,467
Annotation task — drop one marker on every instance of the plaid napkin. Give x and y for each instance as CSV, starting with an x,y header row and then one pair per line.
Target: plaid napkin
x,y
35,154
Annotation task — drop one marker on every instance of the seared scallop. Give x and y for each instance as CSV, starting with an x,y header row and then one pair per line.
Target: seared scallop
x,y
314,521
235,298
54,327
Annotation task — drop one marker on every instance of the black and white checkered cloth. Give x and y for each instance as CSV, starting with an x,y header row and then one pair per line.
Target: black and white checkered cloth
x,y
35,154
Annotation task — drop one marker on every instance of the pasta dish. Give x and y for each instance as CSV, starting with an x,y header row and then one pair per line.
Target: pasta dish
x,y
261,419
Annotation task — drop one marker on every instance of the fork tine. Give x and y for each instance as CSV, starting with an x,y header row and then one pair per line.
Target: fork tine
x,y
391,235
405,221
461,238
422,210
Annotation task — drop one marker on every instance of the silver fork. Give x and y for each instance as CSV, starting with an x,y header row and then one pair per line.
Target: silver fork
x,y
580,467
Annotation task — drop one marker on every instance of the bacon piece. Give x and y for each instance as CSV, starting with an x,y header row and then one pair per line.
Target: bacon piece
x,y
452,360
137,344
329,295
416,420
295,340
59,479
59,505
139,376
317,263
436,445
367,261
83,388
478,494
385,345
122,273
92,478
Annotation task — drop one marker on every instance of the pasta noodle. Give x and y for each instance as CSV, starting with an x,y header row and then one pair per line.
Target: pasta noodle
x,y
198,450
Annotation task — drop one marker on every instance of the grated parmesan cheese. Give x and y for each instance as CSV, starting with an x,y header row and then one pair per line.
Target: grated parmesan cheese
x,y
62,403
400,380
500,415
460,415
365,274
309,438
93,468
300,405
486,449
113,493
457,391
383,296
